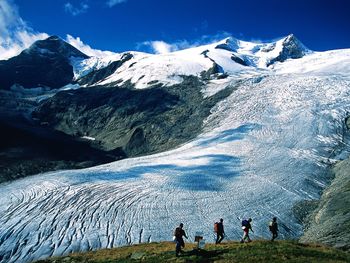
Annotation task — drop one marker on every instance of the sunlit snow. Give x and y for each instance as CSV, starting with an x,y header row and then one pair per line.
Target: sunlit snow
x,y
264,148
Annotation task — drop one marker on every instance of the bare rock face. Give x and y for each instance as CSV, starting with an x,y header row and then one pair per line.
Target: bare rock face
x,y
291,48
330,222
46,63
97,75
138,122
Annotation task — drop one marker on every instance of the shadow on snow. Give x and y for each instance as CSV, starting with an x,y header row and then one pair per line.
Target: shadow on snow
x,y
230,135
210,176
207,173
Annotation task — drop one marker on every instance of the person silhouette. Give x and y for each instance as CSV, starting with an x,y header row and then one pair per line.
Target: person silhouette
x,y
220,232
179,233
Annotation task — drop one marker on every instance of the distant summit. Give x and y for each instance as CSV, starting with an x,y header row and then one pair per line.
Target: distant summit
x,y
264,54
291,47
54,45
229,44
45,63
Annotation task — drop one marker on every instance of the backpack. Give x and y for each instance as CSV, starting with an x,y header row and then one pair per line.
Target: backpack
x,y
177,232
245,223
216,227
272,226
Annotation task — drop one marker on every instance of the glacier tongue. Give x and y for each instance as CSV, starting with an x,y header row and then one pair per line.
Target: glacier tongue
x,y
264,148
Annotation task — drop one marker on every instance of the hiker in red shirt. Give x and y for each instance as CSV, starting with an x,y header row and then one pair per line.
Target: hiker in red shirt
x,y
220,232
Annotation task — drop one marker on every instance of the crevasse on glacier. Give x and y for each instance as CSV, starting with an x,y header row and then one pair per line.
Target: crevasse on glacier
x,y
265,147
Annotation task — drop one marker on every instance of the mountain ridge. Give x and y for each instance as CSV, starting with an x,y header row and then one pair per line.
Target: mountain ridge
x,y
54,75
46,63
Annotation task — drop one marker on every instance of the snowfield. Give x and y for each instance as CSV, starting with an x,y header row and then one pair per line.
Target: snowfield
x,y
168,68
264,148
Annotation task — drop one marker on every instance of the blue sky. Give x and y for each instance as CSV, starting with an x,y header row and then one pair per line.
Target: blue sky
x,y
121,25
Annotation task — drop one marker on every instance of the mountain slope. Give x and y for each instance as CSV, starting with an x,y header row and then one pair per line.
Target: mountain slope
x,y
54,63
139,122
257,251
264,147
330,222
46,63
229,56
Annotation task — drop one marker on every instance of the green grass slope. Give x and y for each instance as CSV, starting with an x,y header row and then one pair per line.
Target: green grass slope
x,y
256,251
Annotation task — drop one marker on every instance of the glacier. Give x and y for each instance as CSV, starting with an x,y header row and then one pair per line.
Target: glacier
x,y
264,148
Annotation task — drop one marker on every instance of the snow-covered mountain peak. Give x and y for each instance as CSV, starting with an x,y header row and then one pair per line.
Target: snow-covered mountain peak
x,y
294,46
286,48
230,44
229,56
291,39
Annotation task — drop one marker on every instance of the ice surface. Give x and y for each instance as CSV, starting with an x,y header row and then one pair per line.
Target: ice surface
x,y
265,147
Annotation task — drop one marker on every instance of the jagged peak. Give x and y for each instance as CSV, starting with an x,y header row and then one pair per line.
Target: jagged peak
x,y
288,47
292,40
229,43
54,37
54,44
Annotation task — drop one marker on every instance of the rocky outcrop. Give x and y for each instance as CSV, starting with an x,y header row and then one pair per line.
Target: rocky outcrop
x,y
26,149
98,75
330,222
239,60
137,121
46,63
291,48
212,72
230,44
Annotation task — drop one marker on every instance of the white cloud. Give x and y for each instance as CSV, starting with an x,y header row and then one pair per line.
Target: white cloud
x,y
86,49
15,35
112,3
74,11
161,47
9,19
20,40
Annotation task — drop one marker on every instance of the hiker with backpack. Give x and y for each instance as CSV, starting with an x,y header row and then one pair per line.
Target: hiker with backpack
x,y
273,228
246,226
178,234
219,229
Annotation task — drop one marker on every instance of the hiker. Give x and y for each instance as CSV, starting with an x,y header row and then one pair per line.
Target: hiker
x,y
246,225
220,232
179,233
273,228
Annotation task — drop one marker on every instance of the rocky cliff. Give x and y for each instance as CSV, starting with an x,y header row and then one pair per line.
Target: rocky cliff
x,y
330,222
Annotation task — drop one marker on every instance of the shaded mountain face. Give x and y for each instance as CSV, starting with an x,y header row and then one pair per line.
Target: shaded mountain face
x,y
291,48
26,149
330,220
46,63
138,122
100,74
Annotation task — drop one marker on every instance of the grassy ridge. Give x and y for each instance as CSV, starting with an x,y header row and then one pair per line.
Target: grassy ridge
x,y
257,251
